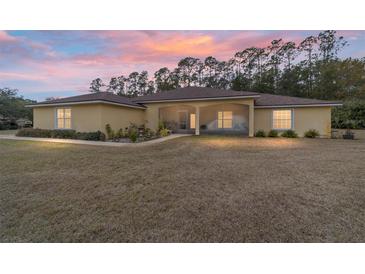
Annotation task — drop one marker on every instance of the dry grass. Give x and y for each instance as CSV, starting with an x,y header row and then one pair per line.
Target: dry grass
x,y
192,189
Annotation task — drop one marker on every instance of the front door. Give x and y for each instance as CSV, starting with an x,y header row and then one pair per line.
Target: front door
x,y
183,119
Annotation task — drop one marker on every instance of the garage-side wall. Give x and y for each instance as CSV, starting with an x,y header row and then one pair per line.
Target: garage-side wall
x,y
86,118
43,117
120,117
305,118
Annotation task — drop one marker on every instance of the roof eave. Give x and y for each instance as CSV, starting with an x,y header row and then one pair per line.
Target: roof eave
x,y
301,105
83,103
197,99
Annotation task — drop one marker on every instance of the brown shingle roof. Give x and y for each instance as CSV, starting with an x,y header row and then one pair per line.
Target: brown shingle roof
x,y
193,93
280,100
190,93
90,97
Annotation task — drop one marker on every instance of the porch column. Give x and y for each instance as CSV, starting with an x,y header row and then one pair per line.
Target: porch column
x,y
197,122
251,126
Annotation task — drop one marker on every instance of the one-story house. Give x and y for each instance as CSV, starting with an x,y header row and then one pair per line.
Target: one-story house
x,y
188,110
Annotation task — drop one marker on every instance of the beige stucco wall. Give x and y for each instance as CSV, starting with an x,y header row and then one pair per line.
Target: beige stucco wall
x,y
90,117
120,117
86,118
43,117
305,118
152,111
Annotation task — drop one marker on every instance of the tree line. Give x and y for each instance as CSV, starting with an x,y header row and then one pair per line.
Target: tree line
x,y
310,69
12,107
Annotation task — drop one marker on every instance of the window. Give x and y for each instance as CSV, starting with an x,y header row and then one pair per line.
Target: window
x,y
63,119
282,119
225,119
192,120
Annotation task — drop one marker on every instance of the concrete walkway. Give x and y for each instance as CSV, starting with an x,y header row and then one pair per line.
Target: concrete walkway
x,y
93,143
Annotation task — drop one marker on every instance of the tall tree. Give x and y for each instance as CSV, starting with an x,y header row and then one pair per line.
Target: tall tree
x,y
164,80
133,84
117,85
12,106
96,85
309,46
210,71
188,68
288,51
330,44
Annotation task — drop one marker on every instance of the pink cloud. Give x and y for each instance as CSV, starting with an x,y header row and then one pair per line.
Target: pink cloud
x,y
5,37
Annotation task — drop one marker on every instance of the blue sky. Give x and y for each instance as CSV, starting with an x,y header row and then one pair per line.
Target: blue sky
x,y
62,63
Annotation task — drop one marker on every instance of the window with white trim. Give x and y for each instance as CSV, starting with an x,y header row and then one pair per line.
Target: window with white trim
x,y
63,118
282,119
225,119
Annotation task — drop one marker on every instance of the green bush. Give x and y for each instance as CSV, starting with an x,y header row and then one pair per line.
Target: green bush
x,y
161,125
289,134
34,132
260,133
164,132
91,136
119,134
350,116
109,132
61,134
273,133
133,136
311,133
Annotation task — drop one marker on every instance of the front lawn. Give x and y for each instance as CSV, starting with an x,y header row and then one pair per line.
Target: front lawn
x,y
191,189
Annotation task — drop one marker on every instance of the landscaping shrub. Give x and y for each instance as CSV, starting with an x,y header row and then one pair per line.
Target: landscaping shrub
x,y
260,133
149,133
133,136
91,136
311,133
61,134
34,132
273,133
161,125
289,134
171,125
132,132
164,132
119,134
109,132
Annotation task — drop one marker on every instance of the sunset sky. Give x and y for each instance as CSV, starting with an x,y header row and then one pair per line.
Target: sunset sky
x,y
62,63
